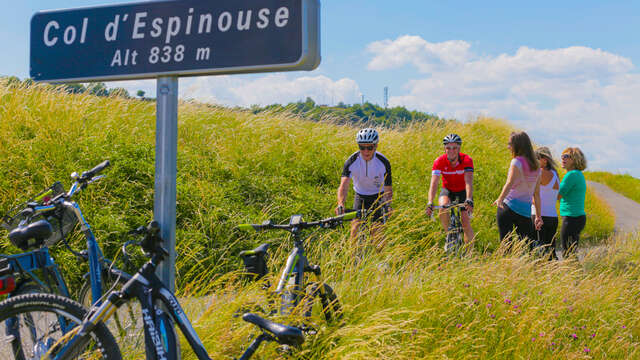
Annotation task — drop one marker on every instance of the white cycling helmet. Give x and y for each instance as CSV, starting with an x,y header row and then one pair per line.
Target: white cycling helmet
x,y
452,138
367,136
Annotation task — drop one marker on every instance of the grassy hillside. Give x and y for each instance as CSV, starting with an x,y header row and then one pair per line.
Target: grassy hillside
x,y
625,184
236,167
233,167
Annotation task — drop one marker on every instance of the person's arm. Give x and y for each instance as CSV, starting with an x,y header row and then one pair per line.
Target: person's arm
x,y
536,202
433,187
468,180
343,190
566,185
511,177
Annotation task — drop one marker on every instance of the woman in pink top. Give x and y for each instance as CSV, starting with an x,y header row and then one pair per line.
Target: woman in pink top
x,y
523,184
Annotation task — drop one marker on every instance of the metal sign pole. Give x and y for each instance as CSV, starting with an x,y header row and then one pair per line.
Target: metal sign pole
x,y
164,207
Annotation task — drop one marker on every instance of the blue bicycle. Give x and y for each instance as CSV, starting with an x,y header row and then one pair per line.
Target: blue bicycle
x,y
34,226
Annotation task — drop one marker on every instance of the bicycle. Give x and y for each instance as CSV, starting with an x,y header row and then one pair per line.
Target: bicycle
x,y
369,228
454,240
90,338
31,226
293,288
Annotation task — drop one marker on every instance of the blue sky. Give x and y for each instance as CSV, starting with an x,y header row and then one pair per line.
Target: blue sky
x,y
565,71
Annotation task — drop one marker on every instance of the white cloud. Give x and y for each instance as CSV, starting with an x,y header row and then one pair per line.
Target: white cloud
x,y
269,89
414,50
575,96
261,90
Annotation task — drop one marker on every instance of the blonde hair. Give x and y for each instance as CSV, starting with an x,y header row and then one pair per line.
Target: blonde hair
x,y
579,161
544,152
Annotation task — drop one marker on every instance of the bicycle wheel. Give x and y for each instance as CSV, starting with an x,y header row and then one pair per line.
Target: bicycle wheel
x,y
329,304
125,324
41,320
453,242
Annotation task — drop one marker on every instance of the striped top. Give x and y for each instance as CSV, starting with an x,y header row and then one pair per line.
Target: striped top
x,y
520,196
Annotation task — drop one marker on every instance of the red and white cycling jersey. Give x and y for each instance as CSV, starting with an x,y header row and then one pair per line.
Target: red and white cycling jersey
x,y
452,177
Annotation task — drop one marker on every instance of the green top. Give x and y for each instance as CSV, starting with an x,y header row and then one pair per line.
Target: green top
x,y
573,190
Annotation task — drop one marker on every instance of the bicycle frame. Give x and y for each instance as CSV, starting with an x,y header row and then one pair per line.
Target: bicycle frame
x,y
40,259
455,223
160,341
28,262
297,264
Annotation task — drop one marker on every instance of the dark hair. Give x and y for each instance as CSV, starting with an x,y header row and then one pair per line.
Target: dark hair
x,y
521,146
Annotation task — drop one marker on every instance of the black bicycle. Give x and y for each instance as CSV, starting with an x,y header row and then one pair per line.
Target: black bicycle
x,y
454,240
91,339
296,294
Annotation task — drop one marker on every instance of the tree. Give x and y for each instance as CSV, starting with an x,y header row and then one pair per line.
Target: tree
x,y
98,89
74,88
119,92
140,93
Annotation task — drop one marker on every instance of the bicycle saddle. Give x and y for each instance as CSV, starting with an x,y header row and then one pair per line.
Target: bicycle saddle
x,y
287,335
257,251
32,235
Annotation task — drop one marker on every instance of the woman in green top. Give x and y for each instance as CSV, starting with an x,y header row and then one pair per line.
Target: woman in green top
x,y
573,189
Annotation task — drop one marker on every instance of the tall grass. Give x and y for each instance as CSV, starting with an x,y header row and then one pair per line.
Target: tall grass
x,y
405,301
487,306
233,167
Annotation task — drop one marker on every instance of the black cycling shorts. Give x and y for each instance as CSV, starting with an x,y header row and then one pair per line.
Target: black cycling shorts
x,y
370,202
459,196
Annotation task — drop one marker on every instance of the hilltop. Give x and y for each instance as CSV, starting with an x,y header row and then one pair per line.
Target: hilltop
x,y
235,166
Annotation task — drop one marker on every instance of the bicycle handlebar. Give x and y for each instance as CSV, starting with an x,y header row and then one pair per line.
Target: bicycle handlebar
x,y
449,206
327,223
87,175
41,203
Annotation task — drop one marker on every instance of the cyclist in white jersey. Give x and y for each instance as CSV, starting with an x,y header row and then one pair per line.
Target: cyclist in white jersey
x,y
371,174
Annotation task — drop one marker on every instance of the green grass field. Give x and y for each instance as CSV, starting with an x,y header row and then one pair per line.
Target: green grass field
x,y
235,167
625,184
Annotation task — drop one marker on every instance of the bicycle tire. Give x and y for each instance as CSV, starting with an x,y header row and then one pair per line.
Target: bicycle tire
x,y
41,334
13,336
331,309
124,324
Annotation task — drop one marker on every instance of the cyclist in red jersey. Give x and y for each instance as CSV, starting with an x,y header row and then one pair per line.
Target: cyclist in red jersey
x,y
456,170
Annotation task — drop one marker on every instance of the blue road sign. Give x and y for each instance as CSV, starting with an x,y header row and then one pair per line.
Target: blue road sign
x,y
174,38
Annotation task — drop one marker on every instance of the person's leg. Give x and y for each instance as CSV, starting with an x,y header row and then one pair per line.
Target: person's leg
x,y
465,218
466,227
377,223
444,214
505,221
567,234
549,229
575,226
524,228
355,225
358,204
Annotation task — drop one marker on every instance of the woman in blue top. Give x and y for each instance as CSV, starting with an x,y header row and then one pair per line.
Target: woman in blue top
x,y
573,189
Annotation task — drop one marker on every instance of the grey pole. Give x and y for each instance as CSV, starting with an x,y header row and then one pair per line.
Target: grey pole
x,y
164,207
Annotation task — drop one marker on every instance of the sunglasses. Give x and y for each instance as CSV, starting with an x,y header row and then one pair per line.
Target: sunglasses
x,y
565,156
370,147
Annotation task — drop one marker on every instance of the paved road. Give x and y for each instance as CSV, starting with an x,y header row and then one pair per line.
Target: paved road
x,y
627,211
